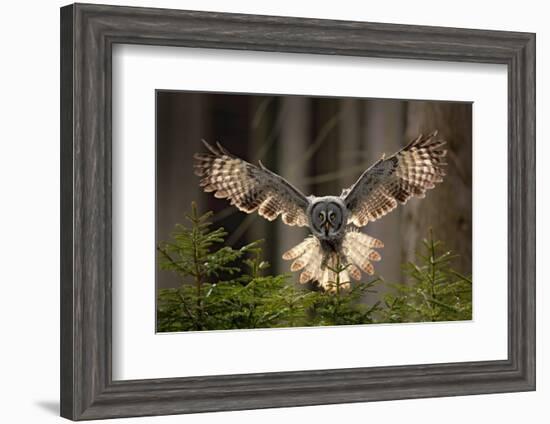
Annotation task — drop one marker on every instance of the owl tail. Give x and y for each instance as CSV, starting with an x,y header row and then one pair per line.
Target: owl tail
x,y
320,265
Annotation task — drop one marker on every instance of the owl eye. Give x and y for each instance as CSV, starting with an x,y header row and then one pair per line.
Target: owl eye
x,y
331,216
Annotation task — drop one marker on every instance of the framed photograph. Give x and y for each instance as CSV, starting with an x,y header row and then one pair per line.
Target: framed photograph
x,y
269,211
222,265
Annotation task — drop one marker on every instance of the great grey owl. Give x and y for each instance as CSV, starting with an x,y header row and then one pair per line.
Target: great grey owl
x,y
334,221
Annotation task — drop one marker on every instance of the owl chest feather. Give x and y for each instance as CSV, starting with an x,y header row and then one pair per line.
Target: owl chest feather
x,y
331,246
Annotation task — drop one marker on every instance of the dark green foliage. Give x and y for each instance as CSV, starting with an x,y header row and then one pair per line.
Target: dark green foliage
x,y
193,255
435,292
224,288
343,305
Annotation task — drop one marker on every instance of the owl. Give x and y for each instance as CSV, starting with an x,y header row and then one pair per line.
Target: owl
x,y
336,251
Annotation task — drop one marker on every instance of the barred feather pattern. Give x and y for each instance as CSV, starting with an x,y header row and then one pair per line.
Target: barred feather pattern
x,y
410,172
308,257
358,250
356,254
250,188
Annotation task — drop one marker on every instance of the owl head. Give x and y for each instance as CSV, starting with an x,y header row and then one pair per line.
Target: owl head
x,y
327,217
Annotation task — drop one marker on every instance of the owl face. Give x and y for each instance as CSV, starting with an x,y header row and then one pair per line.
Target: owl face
x,y
327,217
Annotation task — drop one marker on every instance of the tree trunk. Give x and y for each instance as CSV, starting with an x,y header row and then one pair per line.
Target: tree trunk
x,y
261,145
447,209
383,134
176,184
294,137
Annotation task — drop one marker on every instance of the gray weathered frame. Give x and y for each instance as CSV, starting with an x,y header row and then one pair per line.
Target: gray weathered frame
x,y
88,33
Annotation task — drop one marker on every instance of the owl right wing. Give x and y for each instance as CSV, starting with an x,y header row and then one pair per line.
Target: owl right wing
x,y
250,188
410,172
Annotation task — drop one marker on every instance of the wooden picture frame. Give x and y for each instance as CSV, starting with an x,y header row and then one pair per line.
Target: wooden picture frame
x,y
88,33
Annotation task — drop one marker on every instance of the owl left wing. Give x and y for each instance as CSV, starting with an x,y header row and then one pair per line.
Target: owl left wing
x,y
250,188
409,172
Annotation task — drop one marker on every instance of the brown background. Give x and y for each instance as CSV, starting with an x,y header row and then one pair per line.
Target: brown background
x,y
321,145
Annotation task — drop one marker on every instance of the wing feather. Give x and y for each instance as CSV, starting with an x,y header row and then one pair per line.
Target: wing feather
x,y
250,188
358,251
410,172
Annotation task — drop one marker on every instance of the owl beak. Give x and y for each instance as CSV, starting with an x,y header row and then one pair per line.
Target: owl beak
x,y
327,227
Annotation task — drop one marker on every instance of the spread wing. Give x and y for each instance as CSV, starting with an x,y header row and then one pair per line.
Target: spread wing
x,y
250,188
409,172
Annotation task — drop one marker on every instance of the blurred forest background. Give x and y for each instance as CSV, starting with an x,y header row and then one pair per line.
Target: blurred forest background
x,y
321,145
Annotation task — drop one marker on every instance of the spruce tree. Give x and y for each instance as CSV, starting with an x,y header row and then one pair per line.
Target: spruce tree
x,y
224,288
